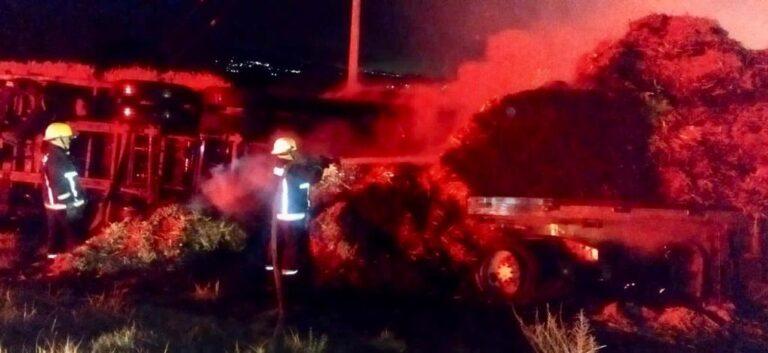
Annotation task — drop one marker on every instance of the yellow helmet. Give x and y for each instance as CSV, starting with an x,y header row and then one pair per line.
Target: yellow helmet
x,y
57,130
284,145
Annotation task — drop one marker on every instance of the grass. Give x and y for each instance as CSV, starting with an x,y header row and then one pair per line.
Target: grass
x,y
553,335
41,320
296,343
113,301
207,291
123,339
388,342
37,319
67,346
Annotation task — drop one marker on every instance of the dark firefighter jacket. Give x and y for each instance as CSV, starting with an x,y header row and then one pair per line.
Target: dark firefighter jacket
x,y
61,188
295,179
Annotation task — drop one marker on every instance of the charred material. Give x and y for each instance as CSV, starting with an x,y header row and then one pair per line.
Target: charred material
x,y
558,142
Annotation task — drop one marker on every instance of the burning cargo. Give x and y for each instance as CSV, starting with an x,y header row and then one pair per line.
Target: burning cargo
x,y
414,227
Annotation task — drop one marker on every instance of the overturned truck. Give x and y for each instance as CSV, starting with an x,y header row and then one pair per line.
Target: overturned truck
x,y
604,224
546,193
413,227
613,249
143,141
142,136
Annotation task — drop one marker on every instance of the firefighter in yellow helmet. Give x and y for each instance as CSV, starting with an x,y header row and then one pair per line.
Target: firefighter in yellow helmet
x,y
295,173
63,196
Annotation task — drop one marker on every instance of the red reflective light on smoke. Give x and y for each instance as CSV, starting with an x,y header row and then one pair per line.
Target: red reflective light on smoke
x,y
129,90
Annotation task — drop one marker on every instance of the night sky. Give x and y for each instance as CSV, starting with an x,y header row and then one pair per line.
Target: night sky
x,y
428,37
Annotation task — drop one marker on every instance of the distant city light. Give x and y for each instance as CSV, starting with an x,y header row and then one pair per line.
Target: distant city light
x,y
236,66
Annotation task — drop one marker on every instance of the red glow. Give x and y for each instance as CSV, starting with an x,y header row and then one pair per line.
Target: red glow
x,y
194,80
128,112
80,74
527,57
581,251
128,90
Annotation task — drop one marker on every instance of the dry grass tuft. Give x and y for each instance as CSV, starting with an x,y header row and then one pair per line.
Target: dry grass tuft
x,y
259,348
207,291
12,310
68,346
110,301
295,343
387,341
122,340
554,336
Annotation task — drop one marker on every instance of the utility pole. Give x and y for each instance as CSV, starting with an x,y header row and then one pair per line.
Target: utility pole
x,y
354,47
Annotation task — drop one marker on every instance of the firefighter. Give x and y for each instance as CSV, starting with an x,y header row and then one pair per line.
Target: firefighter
x,y
295,174
63,197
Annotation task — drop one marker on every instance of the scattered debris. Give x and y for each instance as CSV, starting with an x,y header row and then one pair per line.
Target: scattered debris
x,y
670,324
169,236
389,224
682,321
614,317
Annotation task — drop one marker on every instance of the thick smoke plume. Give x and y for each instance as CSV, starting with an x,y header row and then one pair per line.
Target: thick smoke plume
x,y
547,45
529,44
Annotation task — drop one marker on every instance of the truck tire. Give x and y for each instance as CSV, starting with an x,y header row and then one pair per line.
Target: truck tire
x,y
509,274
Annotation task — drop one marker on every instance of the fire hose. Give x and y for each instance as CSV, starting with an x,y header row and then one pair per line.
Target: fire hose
x,y
278,278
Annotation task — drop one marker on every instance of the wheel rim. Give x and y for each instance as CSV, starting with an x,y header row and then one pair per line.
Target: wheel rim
x,y
504,273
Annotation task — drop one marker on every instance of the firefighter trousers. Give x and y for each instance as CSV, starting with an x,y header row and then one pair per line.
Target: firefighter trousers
x,y
64,233
292,245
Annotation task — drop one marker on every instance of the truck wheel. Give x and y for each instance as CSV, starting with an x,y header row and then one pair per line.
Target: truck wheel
x,y
510,275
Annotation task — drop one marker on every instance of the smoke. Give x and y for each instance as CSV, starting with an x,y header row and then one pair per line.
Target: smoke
x,y
332,138
240,189
545,45
527,44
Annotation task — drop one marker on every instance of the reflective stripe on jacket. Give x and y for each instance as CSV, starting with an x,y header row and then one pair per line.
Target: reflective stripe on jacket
x,y
292,199
61,187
